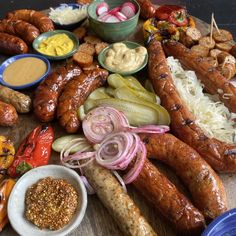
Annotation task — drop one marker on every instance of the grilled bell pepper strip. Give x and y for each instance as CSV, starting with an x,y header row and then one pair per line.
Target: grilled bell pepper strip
x,y
5,190
174,14
34,151
7,152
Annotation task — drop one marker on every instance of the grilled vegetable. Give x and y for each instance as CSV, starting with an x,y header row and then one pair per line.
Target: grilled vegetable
x,y
7,152
5,190
174,14
34,151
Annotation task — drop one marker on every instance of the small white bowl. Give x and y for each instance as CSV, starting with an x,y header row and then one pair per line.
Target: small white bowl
x,y
16,203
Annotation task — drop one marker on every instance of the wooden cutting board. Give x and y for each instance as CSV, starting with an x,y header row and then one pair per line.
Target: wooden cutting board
x,y
97,221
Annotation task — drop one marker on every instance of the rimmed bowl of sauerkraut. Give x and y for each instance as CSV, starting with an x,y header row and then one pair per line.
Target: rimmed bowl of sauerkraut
x,y
68,16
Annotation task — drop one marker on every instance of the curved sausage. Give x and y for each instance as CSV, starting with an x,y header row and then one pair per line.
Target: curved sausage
x,y
48,92
204,184
75,93
36,18
214,82
147,9
166,198
8,114
12,45
20,101
22,29
117,201
220,156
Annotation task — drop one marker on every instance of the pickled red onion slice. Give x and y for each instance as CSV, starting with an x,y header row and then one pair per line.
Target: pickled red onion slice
x,y
102,121
118,150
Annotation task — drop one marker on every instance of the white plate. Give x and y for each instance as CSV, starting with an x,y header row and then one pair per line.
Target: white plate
x,y
16,203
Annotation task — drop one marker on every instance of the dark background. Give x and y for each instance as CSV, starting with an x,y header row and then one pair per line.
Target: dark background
x,y
224,10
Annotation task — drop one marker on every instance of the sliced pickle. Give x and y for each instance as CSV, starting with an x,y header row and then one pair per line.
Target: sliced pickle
x,y
129,94
116,81
98,93
138,114
110,91
80,112
133,83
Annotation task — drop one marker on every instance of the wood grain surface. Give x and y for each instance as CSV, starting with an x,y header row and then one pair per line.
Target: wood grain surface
x,y
97,221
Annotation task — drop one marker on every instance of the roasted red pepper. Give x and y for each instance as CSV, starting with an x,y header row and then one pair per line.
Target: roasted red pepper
x,y
34,151
173,14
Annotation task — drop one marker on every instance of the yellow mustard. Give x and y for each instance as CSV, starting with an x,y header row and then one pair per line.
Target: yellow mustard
x,y
56,45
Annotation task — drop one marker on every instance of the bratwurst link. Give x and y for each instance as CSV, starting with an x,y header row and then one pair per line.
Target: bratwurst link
x,y
49,90
204,184
169,201
12,45
214,82
221,156
36,18
74,95
117,201
22,29
8,114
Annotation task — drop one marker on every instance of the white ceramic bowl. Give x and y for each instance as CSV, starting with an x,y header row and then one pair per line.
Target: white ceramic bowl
x,y
16,203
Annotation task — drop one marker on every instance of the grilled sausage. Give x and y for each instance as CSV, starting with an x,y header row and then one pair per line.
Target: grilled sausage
x,y
222,36
49,90
75,93
165,197
36,18
12,45
117,201
20,101
221,156
204,184
8,114
22,29
147,9
214,82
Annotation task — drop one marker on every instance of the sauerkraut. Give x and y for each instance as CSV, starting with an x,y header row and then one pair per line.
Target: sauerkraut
x,y
213,117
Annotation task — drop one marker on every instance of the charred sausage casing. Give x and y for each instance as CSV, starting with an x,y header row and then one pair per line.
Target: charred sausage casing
x,y
220,156
74,95
47,93
204,184
22,29
36,18
147,9
214,82
12,45
117,201
8,114
167,199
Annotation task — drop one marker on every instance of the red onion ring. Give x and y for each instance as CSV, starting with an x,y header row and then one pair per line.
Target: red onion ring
x,y
90,189
103,121
119,178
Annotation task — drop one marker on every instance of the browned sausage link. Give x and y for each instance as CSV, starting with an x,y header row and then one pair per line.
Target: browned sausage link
x,y
20,101
204,184
48,92
147,9
74,95
221,156
8,114
172,204
12,45
214,82
117,201
20,28
36,18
